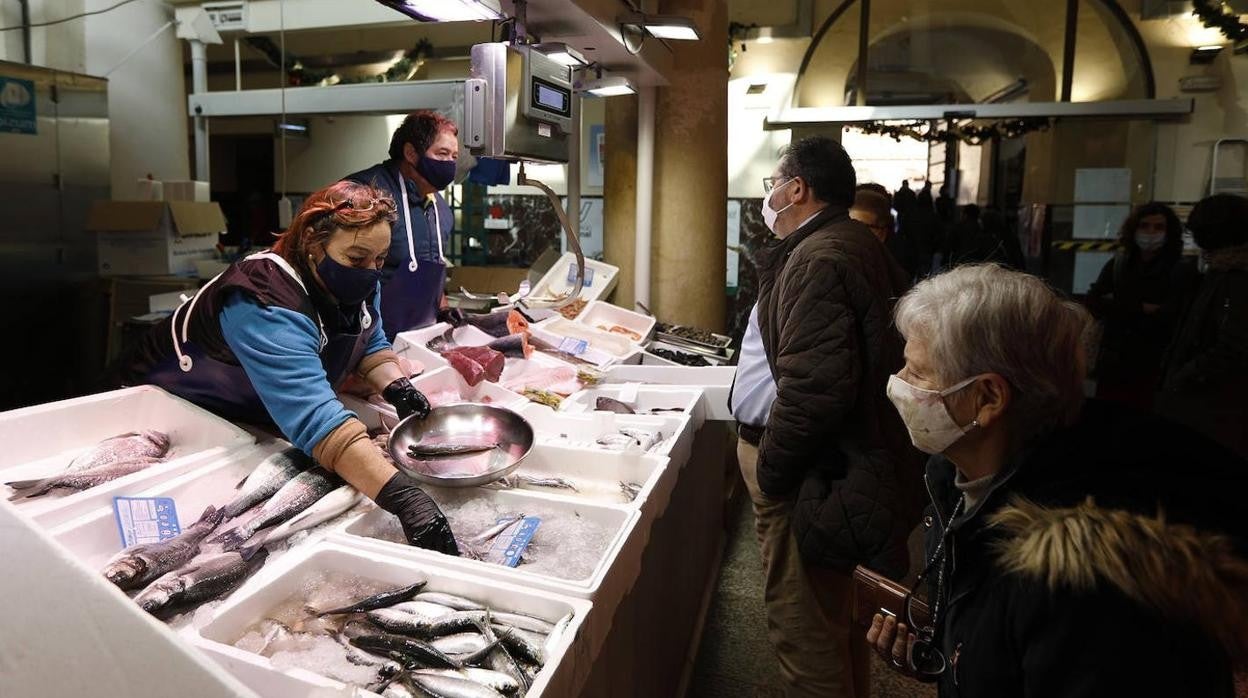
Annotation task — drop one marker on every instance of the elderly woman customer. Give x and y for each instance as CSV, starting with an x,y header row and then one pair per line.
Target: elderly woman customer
x,y
1074,548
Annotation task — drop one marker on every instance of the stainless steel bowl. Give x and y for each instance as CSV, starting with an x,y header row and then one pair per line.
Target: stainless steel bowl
x,y
463,423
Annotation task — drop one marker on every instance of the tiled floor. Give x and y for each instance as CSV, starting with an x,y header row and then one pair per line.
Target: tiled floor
x,y
735,659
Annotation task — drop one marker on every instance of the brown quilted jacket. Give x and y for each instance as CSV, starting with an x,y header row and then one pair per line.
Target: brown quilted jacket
x,y
833,441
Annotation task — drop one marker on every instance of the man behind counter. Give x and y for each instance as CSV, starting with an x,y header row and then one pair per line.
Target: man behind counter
x,y
423,152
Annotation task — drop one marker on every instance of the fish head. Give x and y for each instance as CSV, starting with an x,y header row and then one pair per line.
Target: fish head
x,y
157,597
125,570
159,439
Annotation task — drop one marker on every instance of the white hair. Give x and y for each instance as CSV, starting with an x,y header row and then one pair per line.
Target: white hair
x,y
984,318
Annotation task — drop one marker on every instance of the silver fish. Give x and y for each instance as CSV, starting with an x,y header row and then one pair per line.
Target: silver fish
x,y
522,645
80,480
201,581
552,482
460,643
423,608
138,565
396,621
458,603
496,680
494,531
304,490
630,490
268,478
500,660
328,507
449,686
646,440
523,622
422,450
617,441
135,445
379,600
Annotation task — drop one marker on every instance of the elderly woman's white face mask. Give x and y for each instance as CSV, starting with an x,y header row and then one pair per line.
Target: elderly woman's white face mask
x,y
925,414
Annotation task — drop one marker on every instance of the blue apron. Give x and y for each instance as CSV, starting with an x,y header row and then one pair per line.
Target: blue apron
x,y
225,389
411,297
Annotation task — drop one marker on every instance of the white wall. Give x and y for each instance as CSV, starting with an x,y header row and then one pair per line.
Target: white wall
x,y
148,128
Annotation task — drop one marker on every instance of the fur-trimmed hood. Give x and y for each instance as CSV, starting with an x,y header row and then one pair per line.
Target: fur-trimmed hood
x,y
1187,575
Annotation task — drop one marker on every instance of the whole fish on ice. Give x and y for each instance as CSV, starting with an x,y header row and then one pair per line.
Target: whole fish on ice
x,y
328,507
304,490
135,445
268,477
138,565
383,599
80,480
202,580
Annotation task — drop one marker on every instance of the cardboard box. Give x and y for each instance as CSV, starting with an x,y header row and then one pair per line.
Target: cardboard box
x,y
186,190
149,190
144,238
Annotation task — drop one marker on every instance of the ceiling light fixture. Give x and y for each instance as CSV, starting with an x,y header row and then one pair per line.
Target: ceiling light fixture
x,y
1205,54
608,87
562,54
665,26
447,10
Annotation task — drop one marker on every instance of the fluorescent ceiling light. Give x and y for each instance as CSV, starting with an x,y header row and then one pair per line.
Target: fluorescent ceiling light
x,y
609,87
562,54
1211,47
669,27
447,10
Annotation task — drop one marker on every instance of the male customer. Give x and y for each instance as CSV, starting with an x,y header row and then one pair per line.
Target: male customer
x,y
834,480
423,152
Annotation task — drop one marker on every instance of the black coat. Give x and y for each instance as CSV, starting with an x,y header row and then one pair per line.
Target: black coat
x,y
833,440
1049,593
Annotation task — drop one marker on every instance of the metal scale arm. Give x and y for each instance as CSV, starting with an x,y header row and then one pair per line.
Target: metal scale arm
x,y
573,242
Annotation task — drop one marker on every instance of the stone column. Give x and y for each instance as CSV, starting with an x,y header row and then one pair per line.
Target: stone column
x,y
619,186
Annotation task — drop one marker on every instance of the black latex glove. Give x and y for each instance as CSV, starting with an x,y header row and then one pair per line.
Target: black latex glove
x,y
423,522
451,316
406,399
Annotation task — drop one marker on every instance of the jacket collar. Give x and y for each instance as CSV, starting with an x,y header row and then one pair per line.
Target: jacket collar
x,y
828,215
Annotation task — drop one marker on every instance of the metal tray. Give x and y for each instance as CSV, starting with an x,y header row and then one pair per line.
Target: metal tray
x,y
463,423
721,341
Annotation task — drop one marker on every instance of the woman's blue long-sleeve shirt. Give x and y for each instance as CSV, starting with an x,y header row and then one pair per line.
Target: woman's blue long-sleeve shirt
x,y
279,350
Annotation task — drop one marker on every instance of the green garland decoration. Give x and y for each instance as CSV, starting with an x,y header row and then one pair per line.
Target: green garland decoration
x,y
1215,14
970,133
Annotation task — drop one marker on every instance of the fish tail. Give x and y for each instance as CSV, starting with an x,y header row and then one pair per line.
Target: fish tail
x,y
232,539
40,487
442,343
212,515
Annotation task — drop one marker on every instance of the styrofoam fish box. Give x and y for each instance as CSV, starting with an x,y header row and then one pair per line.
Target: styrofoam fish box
x,y
438,381
93,538
412,345
714,381
600,279
644,399
41,441
606,586
616,346
568,661
600,476
583,430
602,316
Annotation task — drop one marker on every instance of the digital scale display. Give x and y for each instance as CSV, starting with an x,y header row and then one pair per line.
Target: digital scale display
x,y
551,97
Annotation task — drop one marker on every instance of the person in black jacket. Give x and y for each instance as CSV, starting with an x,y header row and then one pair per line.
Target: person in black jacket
x,y
1137,298
1075,549
1206,370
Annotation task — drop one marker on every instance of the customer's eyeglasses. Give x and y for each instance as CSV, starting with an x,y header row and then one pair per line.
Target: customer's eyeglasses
x,y
769,183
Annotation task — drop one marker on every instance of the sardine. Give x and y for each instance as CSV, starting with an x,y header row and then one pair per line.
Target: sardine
x,y
458,603
423,608
423,450
646,440
439,686
460,643
496,680
121,448
389,645
618,441
557,483
202,580
328,507
268,477
304,490
522,645
139,565
523,622
500,660
607,404
393,620
381,600
79,480
494,531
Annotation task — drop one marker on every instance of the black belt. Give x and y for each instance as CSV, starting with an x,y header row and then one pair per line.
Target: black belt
x,y
750,434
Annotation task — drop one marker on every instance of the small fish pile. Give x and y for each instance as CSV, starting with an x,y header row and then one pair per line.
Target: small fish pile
x,y
108,460
407,641
631,438
609,404
680,357
289,493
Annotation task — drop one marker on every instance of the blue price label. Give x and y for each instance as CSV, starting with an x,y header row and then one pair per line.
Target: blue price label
x,y
509,546
573,346
145,519
589,275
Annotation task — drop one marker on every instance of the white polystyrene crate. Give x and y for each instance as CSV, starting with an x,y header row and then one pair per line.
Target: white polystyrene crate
x,y
599,475
715,382
583,430
600,279
41,441
568,660
614,345
93,538
644,399
384,415
602,315
413,346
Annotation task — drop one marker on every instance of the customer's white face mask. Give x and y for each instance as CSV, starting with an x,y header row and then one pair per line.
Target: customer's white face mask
x,y
927,418
770,214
